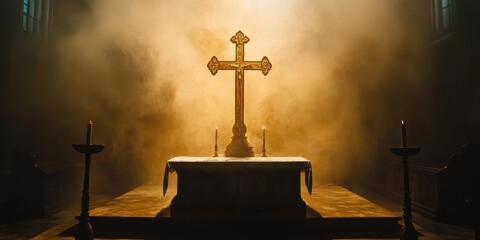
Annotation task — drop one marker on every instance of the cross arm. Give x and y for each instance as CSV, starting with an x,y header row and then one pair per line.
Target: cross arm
x,y
263,65
214,65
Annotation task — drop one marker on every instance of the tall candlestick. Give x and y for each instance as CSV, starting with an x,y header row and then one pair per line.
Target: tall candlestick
x,y
84,228
263,148
408,230
89,132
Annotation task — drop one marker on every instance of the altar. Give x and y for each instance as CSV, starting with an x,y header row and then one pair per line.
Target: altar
x,y
238,187
238,184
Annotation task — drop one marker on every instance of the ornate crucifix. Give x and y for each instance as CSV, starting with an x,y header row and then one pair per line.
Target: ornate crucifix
x,y
239,146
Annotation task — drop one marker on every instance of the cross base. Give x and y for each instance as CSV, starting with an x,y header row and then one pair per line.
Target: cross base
x,y
239,147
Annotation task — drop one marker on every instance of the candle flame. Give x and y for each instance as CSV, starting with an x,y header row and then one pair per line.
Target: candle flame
x,y
263,127
403,123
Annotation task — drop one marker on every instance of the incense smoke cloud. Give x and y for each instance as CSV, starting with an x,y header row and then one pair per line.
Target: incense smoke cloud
x,y
138,70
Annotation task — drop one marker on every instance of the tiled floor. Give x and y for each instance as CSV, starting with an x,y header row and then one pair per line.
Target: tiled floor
x,y
324,200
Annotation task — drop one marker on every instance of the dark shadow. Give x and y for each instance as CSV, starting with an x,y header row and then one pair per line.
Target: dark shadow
x,y
164,213
70,232
312,213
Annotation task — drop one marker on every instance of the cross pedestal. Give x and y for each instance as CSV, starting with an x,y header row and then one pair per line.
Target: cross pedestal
x,y
238,187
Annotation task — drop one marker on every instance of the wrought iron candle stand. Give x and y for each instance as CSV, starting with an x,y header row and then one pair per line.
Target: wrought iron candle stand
x,y
84,229
408,230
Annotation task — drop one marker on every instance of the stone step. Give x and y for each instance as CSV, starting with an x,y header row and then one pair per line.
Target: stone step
x,y
333,212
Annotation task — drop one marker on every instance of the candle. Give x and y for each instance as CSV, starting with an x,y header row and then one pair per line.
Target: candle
x,y
89,132
404,134
215,154
263,149
263,134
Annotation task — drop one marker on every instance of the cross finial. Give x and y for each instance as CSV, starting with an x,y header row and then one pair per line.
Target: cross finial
x,y
213,65
266,66
239,38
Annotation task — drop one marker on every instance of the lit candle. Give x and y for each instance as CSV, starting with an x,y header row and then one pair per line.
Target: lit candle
x,y
404,134
263,149
263,134
215,154
89,132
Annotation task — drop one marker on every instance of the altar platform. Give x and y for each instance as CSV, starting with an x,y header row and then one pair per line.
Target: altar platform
x,y
332,212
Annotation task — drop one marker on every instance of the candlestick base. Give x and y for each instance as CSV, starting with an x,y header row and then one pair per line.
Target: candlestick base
x,y
84,229
408,233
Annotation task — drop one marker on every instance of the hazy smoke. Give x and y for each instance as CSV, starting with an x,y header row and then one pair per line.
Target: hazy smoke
x,y
342,73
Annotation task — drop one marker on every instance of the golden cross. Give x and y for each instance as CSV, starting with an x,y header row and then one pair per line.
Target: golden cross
x,y
239,146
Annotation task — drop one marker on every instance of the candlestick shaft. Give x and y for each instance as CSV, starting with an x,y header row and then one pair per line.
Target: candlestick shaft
x,y
86,185
89,133
84,229
408,230
404,135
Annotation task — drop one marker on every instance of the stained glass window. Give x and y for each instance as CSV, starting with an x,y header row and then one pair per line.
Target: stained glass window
x,y
446,13
31,19
443,15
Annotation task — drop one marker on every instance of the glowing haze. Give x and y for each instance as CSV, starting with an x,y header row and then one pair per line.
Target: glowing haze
x,y
138,69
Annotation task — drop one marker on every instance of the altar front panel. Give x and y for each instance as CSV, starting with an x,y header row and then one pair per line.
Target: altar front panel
x,y
238,187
